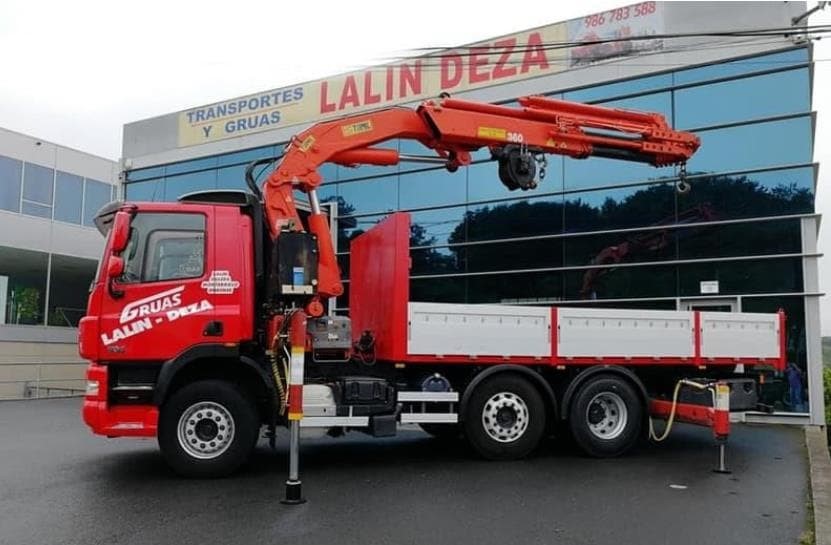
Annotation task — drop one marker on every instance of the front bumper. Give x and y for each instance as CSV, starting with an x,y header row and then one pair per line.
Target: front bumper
x,y
119,420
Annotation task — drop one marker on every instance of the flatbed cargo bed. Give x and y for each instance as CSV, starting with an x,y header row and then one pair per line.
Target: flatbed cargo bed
x,y
417,332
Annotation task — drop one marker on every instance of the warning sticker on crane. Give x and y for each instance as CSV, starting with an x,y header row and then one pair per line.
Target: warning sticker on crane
x,y
492,133
307,143
357,128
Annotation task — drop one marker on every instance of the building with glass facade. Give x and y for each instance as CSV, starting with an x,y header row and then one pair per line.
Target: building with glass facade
x,y
596,232
49,250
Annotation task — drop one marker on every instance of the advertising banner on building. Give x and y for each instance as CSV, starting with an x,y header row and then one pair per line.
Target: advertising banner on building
x,y
518,56
514,57
620,32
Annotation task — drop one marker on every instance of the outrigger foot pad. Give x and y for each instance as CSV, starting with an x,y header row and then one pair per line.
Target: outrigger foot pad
x,y
294,493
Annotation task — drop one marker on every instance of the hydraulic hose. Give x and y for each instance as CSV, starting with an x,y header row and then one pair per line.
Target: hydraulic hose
x,y
654,436
278,345
249,173
278,382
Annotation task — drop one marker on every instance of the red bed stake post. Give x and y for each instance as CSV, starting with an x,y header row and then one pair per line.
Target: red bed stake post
x,y
297,338
721,423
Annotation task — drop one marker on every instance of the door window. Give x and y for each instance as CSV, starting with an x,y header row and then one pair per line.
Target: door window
x,y
165,246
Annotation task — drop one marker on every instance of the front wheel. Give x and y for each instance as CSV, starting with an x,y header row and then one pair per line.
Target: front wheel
x,y
207,429
505,418
606,416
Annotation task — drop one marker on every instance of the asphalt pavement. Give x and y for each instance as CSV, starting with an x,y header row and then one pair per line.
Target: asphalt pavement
x,y
61,485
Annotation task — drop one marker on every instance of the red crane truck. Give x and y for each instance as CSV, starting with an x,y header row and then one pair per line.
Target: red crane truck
x,y
208,318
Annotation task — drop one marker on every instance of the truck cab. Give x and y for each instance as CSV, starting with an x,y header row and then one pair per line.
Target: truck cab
x,y
176,283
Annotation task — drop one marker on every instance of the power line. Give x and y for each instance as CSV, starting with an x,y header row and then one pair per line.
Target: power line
x,y
774,31
566,59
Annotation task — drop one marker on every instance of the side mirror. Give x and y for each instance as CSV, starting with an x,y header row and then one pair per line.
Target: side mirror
x,y
115,267
120,232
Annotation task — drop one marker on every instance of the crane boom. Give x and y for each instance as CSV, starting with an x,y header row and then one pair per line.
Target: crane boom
x,y
453,128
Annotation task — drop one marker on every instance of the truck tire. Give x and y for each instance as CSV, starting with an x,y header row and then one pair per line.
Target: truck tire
x,y
505,418
606,416
442,431
207,429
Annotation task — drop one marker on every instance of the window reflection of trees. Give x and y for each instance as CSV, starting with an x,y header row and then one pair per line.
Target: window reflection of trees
x,y
473,246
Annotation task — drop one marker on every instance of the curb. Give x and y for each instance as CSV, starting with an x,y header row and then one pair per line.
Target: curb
x,y
820,463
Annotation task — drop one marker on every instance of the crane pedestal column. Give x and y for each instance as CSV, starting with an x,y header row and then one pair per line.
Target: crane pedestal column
x,y
294,487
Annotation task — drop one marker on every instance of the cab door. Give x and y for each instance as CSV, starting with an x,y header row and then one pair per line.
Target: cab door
x,y
230,283
159,307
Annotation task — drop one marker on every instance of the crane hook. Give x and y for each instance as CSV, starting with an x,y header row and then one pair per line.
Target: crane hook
x,y
682,186
517,168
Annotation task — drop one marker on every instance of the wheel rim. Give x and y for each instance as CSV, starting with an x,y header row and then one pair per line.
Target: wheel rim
x,y
206,430
606,415
505,417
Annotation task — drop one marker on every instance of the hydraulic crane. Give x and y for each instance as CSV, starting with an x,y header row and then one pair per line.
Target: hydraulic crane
x,y
518,139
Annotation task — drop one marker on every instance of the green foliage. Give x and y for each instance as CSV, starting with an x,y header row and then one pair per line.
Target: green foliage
x,y
826,381
826,351
26,305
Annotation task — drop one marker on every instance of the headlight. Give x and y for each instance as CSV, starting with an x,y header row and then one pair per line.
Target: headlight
x,y
92,388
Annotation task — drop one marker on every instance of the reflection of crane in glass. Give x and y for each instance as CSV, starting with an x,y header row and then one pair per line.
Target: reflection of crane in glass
x,y
602,47
649,242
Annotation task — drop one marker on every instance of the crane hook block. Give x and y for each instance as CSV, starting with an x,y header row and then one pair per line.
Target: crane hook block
x,y
517,168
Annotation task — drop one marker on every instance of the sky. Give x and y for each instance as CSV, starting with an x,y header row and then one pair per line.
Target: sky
x,y
75,72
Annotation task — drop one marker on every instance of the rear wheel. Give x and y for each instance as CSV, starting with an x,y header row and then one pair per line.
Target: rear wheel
x,y
505,418
606,416
207,429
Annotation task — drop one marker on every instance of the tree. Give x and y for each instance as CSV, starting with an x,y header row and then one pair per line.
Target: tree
x,y
25,305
